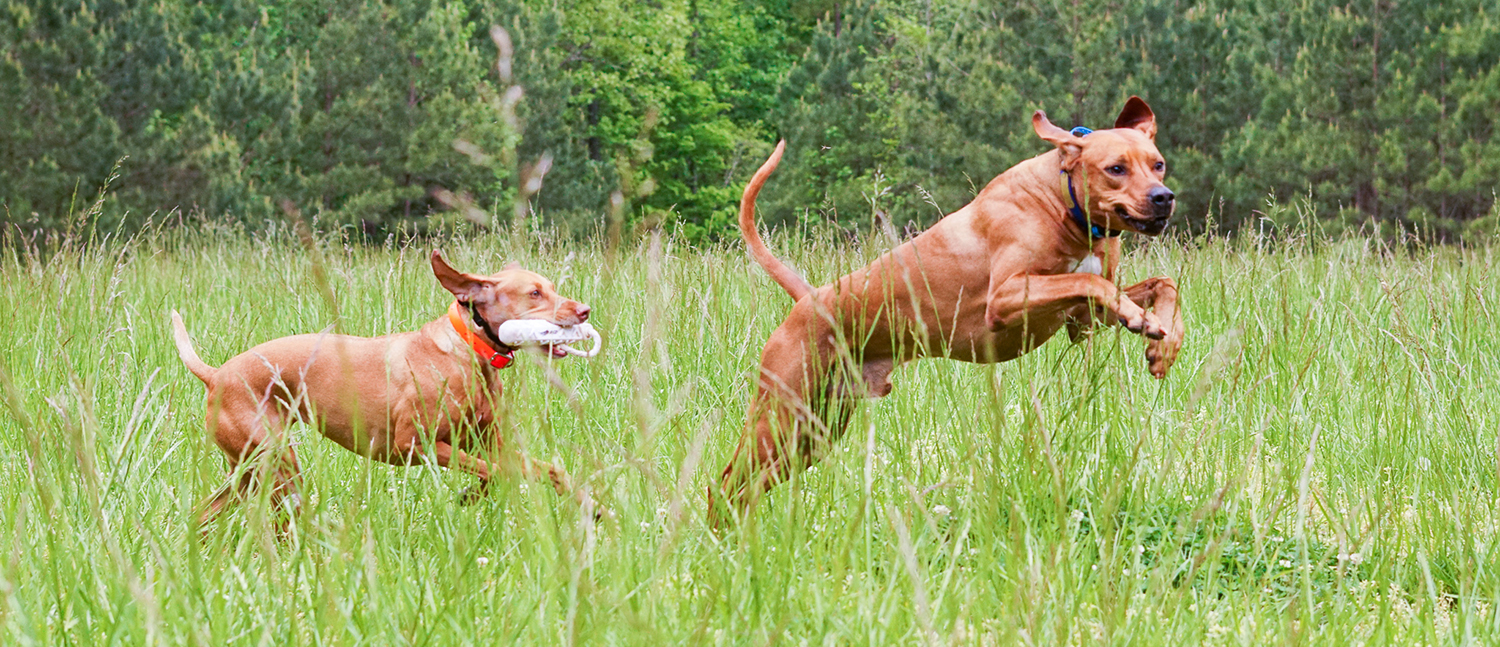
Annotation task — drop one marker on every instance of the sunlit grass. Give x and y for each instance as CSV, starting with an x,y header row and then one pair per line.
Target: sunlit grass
x,y
1321,464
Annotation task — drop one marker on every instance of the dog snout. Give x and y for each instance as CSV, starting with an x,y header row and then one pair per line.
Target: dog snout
x,y
1162,200
582,311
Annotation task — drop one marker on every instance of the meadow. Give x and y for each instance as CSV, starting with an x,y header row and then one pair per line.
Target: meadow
x,y
1321,467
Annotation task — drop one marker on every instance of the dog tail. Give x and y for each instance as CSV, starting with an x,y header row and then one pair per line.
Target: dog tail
x,y
780,272
186,352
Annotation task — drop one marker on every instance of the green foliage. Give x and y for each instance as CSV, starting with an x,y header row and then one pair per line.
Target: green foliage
x,y
347,108
660,101
1381,115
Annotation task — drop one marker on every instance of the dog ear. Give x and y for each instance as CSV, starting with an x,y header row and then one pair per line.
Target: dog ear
x,y
1136,114
464,286
1069,144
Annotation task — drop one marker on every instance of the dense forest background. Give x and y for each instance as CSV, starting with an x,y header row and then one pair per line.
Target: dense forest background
x,y
1375,114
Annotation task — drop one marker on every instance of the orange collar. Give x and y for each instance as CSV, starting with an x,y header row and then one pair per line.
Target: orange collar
x,y
486,352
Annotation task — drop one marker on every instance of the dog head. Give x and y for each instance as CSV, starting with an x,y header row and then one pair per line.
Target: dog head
x,y
1123,169
513,293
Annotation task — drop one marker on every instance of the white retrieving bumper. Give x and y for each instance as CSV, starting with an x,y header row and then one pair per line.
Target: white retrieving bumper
x,y
520,332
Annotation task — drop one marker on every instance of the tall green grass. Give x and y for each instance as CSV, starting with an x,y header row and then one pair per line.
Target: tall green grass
x,y
1321,466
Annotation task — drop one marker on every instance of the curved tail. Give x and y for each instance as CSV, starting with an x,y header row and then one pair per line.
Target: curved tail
x,y
780,272
186,352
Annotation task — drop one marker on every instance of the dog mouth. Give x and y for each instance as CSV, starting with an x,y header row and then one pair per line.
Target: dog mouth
x,y
1149,225
559,351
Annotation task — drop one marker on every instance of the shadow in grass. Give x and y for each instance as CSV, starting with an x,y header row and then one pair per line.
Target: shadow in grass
x,y
1217,553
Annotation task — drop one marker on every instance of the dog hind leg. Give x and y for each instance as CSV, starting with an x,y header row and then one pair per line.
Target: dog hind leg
x,y
788,436
258,450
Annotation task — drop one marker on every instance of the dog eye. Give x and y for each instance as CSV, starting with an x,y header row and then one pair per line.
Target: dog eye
x,y
536,294
1160,166
1116,170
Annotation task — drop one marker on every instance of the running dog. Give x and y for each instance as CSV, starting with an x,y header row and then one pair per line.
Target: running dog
x,y
392,399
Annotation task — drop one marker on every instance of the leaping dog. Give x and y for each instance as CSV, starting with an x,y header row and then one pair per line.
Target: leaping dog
x,y
1036,251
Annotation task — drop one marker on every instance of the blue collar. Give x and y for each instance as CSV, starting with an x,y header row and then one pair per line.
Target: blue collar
x,y
1095,231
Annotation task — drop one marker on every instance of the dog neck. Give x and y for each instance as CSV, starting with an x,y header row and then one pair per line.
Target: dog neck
x,y
482,348
1041,185
1075,209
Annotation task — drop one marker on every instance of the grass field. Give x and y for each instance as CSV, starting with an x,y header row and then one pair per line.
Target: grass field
x,y
1320,467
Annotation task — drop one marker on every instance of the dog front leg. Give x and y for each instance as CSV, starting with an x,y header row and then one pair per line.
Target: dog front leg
x,y
1083,320
1011,301
535,470
1158,294
1161,295
453,458
538,471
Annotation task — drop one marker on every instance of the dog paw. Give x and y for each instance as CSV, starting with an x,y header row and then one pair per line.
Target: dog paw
x,y
1152,328
1161,354
602,514
599,511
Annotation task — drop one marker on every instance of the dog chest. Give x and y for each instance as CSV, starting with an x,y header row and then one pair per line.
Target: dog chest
x,y
1090,264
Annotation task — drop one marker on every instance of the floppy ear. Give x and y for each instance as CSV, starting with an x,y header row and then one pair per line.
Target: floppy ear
x,y
464,286
1069,144
1136,114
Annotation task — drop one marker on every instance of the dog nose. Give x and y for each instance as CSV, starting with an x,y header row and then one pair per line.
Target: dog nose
x,y
582,311
1161,197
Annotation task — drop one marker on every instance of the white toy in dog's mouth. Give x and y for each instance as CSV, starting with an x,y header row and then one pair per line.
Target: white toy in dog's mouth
x,y
555,338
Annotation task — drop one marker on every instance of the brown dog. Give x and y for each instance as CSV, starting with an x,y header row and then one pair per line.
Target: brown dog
x,y
384,398
987,283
